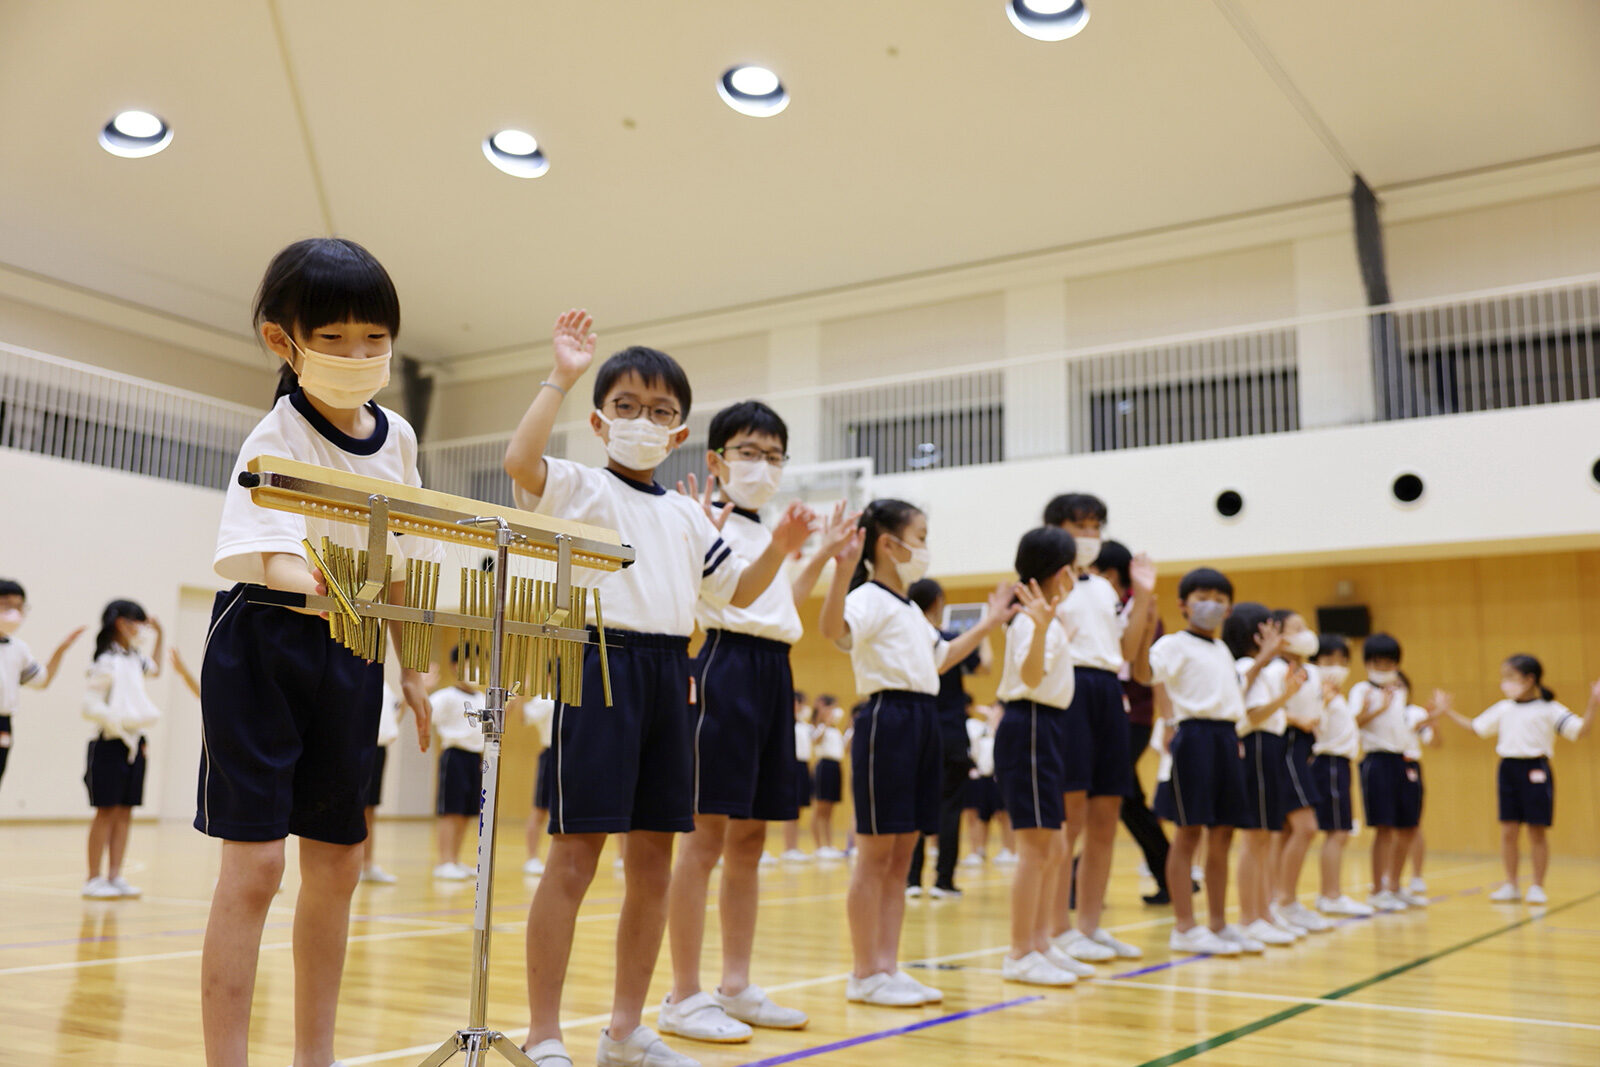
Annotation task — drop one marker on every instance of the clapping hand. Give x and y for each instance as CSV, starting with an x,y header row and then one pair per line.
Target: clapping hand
x,y
1038,607
718,514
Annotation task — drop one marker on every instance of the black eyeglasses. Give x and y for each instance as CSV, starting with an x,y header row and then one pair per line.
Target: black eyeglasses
x,y
751,454
632,409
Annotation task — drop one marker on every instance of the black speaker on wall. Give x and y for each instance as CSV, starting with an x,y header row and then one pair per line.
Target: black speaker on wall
x,y
1346,620
1229,503
1594,472
1407,488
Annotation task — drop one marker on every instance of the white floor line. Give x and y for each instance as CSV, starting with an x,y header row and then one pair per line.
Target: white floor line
x,y
1278,998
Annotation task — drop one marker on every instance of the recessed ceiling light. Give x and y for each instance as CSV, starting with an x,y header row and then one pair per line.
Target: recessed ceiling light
x,y
751,90
516,153
1048,20
132,134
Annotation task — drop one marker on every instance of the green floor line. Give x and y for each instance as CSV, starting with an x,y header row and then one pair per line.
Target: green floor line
x,y
1274,1019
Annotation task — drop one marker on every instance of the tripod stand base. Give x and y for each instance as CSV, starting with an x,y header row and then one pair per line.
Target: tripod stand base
x,y
474,1045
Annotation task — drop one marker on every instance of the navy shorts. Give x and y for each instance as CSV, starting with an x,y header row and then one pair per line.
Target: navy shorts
x,y
1383,791
1207,783
744,756
1097,698
380,759
1411,794
1027,759
460,790
631,766
289,726
1262,761
899,764
1300,788
1527,791
983,798
1075,743
829,781
802,788
543,783
114,781
1332,777
1162,804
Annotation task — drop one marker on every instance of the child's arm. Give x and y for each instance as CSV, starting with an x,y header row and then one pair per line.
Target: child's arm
x,y
413,684
1377,699
834,535
1269,638
1162,701
830,623
161,645
996,612
788,536
1442,708
183,672
1291,685
1588,712
573,342
1141,619
54,663
1041,610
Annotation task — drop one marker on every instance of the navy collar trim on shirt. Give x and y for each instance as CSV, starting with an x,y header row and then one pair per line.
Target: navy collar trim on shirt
x,y
354,445
746,513
891,592
652,487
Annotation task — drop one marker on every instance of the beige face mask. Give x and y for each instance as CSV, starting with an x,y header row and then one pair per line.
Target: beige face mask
x,y
339,382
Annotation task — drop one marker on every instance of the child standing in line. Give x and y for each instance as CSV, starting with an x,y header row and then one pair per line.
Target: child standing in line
x,y
626,769
1526,724
1419,720
539,712
829,775
1379,703
458,794
118,705
805,733
388,733
1298,786
1197,688
17,665
897,656
1337,748
983,804
289,715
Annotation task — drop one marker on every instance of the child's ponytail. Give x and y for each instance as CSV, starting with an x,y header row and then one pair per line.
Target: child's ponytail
x,y
880,517
106,639
1523,663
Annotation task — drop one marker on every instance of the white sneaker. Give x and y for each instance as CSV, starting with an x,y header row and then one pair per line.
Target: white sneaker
x,y
1074,944
829,854
377,875
1035,969
1536,895
1123,950
794,855
1386,901
753,1006
549,1053
1417,886
453,872
939,892
1268,934
1304,917
643,1048
1234,934
1068,964
534,866
131,892
913,892
972,859
1411,899
1506,894
1280,919
929,994
1005,858
100,889
1345,904
701,1018
1200,942
767,860
881,990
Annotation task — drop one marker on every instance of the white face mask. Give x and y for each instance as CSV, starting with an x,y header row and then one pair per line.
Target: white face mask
x,y
339,382
637,444
10,621
751,482
1335,673
1088,550
1302,643
913,569
1206,614
1383,677
1513,690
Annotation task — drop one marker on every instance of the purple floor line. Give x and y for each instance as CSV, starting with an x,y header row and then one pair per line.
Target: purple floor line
x,y
862,1039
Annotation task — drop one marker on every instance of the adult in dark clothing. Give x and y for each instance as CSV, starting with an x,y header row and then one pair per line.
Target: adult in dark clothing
x,y
952,704
1113,565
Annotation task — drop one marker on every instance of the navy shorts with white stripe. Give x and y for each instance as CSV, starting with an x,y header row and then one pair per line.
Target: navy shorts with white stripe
x,y
1028,765
897,766
1207,783
744,755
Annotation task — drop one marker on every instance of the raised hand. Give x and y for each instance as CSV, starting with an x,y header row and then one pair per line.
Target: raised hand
x,y
573,340
1269,638
838,529
1295,679
849,552
1143,572
793,527
1038,607
718,514
999,608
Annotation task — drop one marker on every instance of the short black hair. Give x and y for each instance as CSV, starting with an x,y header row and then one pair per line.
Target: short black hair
x,y
1205,578
1074,507
1328,644
1380,646
1042,552
1117,558
12,587
747,416
1240,632
654,368
924,593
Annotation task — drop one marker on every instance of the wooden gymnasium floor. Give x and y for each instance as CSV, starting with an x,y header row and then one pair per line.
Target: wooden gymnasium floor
x,y
1466,982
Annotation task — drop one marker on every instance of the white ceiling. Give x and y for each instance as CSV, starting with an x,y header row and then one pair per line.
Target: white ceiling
x,y
922,134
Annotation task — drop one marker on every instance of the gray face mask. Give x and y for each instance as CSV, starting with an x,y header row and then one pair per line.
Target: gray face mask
x,y
1207,614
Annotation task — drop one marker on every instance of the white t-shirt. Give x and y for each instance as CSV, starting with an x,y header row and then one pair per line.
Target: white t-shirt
x,y
540,712
1199,677
892,644
681,556
1093,610
773,615
389,717
296,430
1420,734
802,741
17,669
1338,735
1388,731
450,720
1267,687
115,699
830,745
1527,730
980,745
1306,704
1056,687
